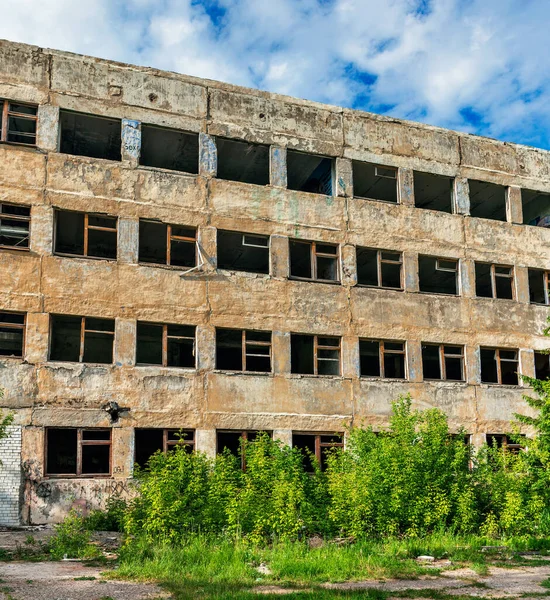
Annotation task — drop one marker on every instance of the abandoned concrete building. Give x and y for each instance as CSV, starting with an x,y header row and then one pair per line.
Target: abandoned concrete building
x,y
183,254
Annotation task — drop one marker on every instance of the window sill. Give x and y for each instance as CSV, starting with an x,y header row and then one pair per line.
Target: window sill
x,y
241,273
80,257
99,476
166,267
439,294
246,373
384,379
511,386
141,167
16,248
366,286
109,161
452,381
499,299
59,362
258,185
390,202
312,376
166,368
18,144
306,280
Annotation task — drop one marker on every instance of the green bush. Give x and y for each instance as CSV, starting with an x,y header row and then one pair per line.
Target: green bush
x,y
72,539
109,519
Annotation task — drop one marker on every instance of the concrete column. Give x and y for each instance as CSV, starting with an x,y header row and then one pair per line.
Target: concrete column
x,y
206,347
205,441
405,184
344,178
414,360
467,278
280,342
351,364
208,156
349,265
37,337
461,196
283,435
128,240
514,207
125,342
526,364
478,440
131,141
279,256
42,228
521,277
207,238
47,128
277,166
410,266
123,452
473,365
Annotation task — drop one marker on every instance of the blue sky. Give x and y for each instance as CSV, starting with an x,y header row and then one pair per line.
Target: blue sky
x,y
480,66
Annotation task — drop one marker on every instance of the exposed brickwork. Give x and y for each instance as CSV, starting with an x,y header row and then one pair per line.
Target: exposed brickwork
x,y
10,476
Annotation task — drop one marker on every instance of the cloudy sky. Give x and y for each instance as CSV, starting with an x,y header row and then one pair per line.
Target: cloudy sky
x,y
481,66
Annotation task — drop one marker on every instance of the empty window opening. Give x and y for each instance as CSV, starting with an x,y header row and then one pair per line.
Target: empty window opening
x,y
494,281
165,345
242,350
314,260
499,366
12,334
487,200
382,358
18,123
90,135
82,339
438,275
379,268
536,208
374,182
243,251
232,442
539,286
78,452
542,365
169,149
316,448
505,442
310,173
243,161
164,244
433,192
83,234
150,441
314,354
15,223
443,362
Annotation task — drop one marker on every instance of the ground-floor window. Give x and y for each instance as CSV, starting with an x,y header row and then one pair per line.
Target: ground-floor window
x,y
231,439
78,452
316,447
149,441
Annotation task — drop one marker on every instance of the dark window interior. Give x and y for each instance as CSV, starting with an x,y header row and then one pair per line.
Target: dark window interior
x,y
165,345
243,161
369,356
503,285
394,360
305,443
484,287
12,329
70,238
164,244
98,340
300,259
69,232
375,182
14,225
229,349
438,275
243,251
454,365
313,260
497,440
537,283
367,266
542,365
169,149
488,365
536,208
180,346
326,256
149,441
509,367
258,351
316,448
230,441
434,192
66,334
309,173
430,362
487,200
61,451
301,354
20,124
152,242
90,135
149,344
65,338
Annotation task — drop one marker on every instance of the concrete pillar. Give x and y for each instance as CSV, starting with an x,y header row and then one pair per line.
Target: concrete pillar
x,y
467,278
344,178
128,240
207,238
125,342
526,364
206,347
122,440
478,439
277,166
283,435
280,343
208,156
414,360
131,141
205,441
514,207
410,266
521,277
349,265
461,196
473,365
37,337
47,128
279,256
351,364
42,228
405,184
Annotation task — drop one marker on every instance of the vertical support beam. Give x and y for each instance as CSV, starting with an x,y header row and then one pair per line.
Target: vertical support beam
x,y
122,452
42,229
277,166
206,347
514,207
351,366
128,240
131,141
125,342
410,266
205,441
37,337
473,365
414,360
461,196
349,264
283,435
47,128
521,276
344,178
405,183
279,255
208,156
207,238
526,364
467,278
478,439
280,351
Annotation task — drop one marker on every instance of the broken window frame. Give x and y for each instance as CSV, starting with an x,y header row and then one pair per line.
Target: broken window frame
x,y
165,338
22,218
380,261
245,353
316,359
438,261
546,354
498,361
314,255
494,275
18,327
442,354
320,445
243,439
87,229
504,444
173,238
7,113
382,351
83,332
546,287
80,442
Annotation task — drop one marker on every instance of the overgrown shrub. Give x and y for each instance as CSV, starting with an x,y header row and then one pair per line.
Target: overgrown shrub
x,y
109,519
72,539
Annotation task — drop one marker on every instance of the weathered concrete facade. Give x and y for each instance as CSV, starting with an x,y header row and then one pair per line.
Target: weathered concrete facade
x,y
44,393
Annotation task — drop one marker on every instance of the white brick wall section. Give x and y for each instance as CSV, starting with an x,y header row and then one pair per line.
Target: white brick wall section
x,y
10,476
